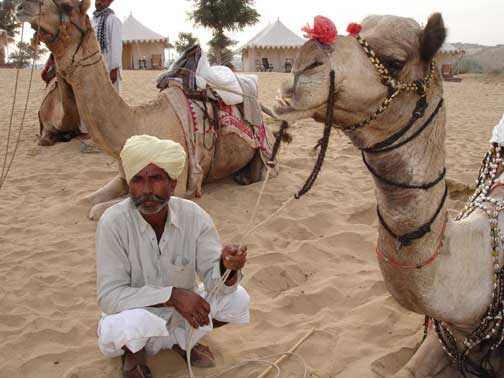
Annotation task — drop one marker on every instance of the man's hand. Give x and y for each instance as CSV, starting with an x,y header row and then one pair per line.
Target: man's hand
x,y
113,75
232,258
191,306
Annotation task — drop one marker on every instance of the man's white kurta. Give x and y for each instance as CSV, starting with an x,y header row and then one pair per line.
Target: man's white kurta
x,y
135,271
113,55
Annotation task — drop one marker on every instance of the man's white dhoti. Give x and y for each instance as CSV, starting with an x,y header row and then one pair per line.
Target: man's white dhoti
x,y
138,328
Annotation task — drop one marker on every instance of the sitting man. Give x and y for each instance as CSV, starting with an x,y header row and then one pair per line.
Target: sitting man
x,y
149,249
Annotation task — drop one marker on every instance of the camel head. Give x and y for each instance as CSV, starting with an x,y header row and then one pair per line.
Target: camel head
x,y
401,45
60,24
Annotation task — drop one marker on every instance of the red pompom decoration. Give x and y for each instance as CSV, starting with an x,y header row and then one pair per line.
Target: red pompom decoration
x,y
323,29
354,28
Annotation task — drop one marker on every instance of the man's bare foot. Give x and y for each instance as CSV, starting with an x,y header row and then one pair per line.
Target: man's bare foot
x,y
201,356
135,365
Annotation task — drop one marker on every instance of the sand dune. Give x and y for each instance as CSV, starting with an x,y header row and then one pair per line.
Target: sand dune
x,y
311,266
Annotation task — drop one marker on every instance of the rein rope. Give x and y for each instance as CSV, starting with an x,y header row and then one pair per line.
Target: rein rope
x,y
7,166
324,142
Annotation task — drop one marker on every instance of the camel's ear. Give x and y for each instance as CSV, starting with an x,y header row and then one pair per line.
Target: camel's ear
x,y
433,37
84,6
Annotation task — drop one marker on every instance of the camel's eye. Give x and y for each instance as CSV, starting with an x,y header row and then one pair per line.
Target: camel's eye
x,y
312,66
394,66
67,8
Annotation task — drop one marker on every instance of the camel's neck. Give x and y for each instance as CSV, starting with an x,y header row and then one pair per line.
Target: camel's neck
x,y
105,114
420,161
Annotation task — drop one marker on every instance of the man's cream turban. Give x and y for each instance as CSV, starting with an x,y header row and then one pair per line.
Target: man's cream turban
x,y
141,150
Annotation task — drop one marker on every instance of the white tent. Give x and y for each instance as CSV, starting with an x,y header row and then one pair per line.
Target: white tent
x,y
273,49
142,47
446,57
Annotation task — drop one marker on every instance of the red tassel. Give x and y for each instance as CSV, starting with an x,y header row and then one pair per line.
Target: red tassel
x,y
323,29
354,28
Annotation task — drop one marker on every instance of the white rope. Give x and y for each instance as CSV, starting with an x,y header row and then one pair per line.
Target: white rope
x,y
220,285
9,130
6,168
261,360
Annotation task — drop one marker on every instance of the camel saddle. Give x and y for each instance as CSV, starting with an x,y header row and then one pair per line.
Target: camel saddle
x,y
213,112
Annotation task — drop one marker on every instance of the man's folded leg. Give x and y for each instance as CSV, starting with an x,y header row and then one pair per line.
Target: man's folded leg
x,y
131,329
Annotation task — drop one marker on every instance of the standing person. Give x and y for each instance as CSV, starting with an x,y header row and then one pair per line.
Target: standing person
x,y
108,28
108,32
149,250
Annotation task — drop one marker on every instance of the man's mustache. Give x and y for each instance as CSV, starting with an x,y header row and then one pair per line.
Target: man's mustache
x,y
149,197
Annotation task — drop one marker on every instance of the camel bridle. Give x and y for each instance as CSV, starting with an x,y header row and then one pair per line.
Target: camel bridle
x,y
395,87
64,18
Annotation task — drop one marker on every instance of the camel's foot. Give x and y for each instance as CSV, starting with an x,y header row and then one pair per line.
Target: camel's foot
x,y
46,140
53,137
405,373
116,188
430,360
242,178
253,172
97,210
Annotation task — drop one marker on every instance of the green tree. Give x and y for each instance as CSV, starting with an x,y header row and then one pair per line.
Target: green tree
x,y
221,16
184,41
8,21
24,53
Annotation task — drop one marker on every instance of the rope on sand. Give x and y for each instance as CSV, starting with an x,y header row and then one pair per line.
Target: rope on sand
x,y
217,288
6,167
289,353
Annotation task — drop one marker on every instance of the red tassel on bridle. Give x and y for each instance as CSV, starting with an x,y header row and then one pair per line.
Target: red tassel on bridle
x,y
354,28
323,29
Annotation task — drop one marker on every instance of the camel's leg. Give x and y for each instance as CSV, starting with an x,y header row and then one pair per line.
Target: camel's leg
x,y
97,210
253,172
117,187
428,361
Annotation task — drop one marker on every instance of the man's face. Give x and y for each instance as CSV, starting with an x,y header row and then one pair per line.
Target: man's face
x,y
102,4
151,189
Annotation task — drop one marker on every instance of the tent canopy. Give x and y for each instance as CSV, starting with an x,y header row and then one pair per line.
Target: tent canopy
x,y
275,35
450,50
142,47
274,49
134,31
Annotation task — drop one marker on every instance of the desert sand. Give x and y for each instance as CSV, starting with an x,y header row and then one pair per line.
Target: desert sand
x,y
312,266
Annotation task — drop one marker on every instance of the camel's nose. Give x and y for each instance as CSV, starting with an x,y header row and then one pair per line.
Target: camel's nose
x,y
288,88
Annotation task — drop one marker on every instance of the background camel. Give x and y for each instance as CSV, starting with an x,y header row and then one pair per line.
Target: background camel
x,y
66,30
58,115
4,41
456,287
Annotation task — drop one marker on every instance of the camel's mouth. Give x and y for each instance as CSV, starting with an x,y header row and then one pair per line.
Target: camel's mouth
x,y
286,111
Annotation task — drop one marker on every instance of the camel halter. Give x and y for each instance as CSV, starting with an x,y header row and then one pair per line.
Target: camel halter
x,y
395,87
64,18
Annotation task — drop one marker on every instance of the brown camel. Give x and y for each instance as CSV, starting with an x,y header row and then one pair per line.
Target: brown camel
x,y
454,287
66,30
58,115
